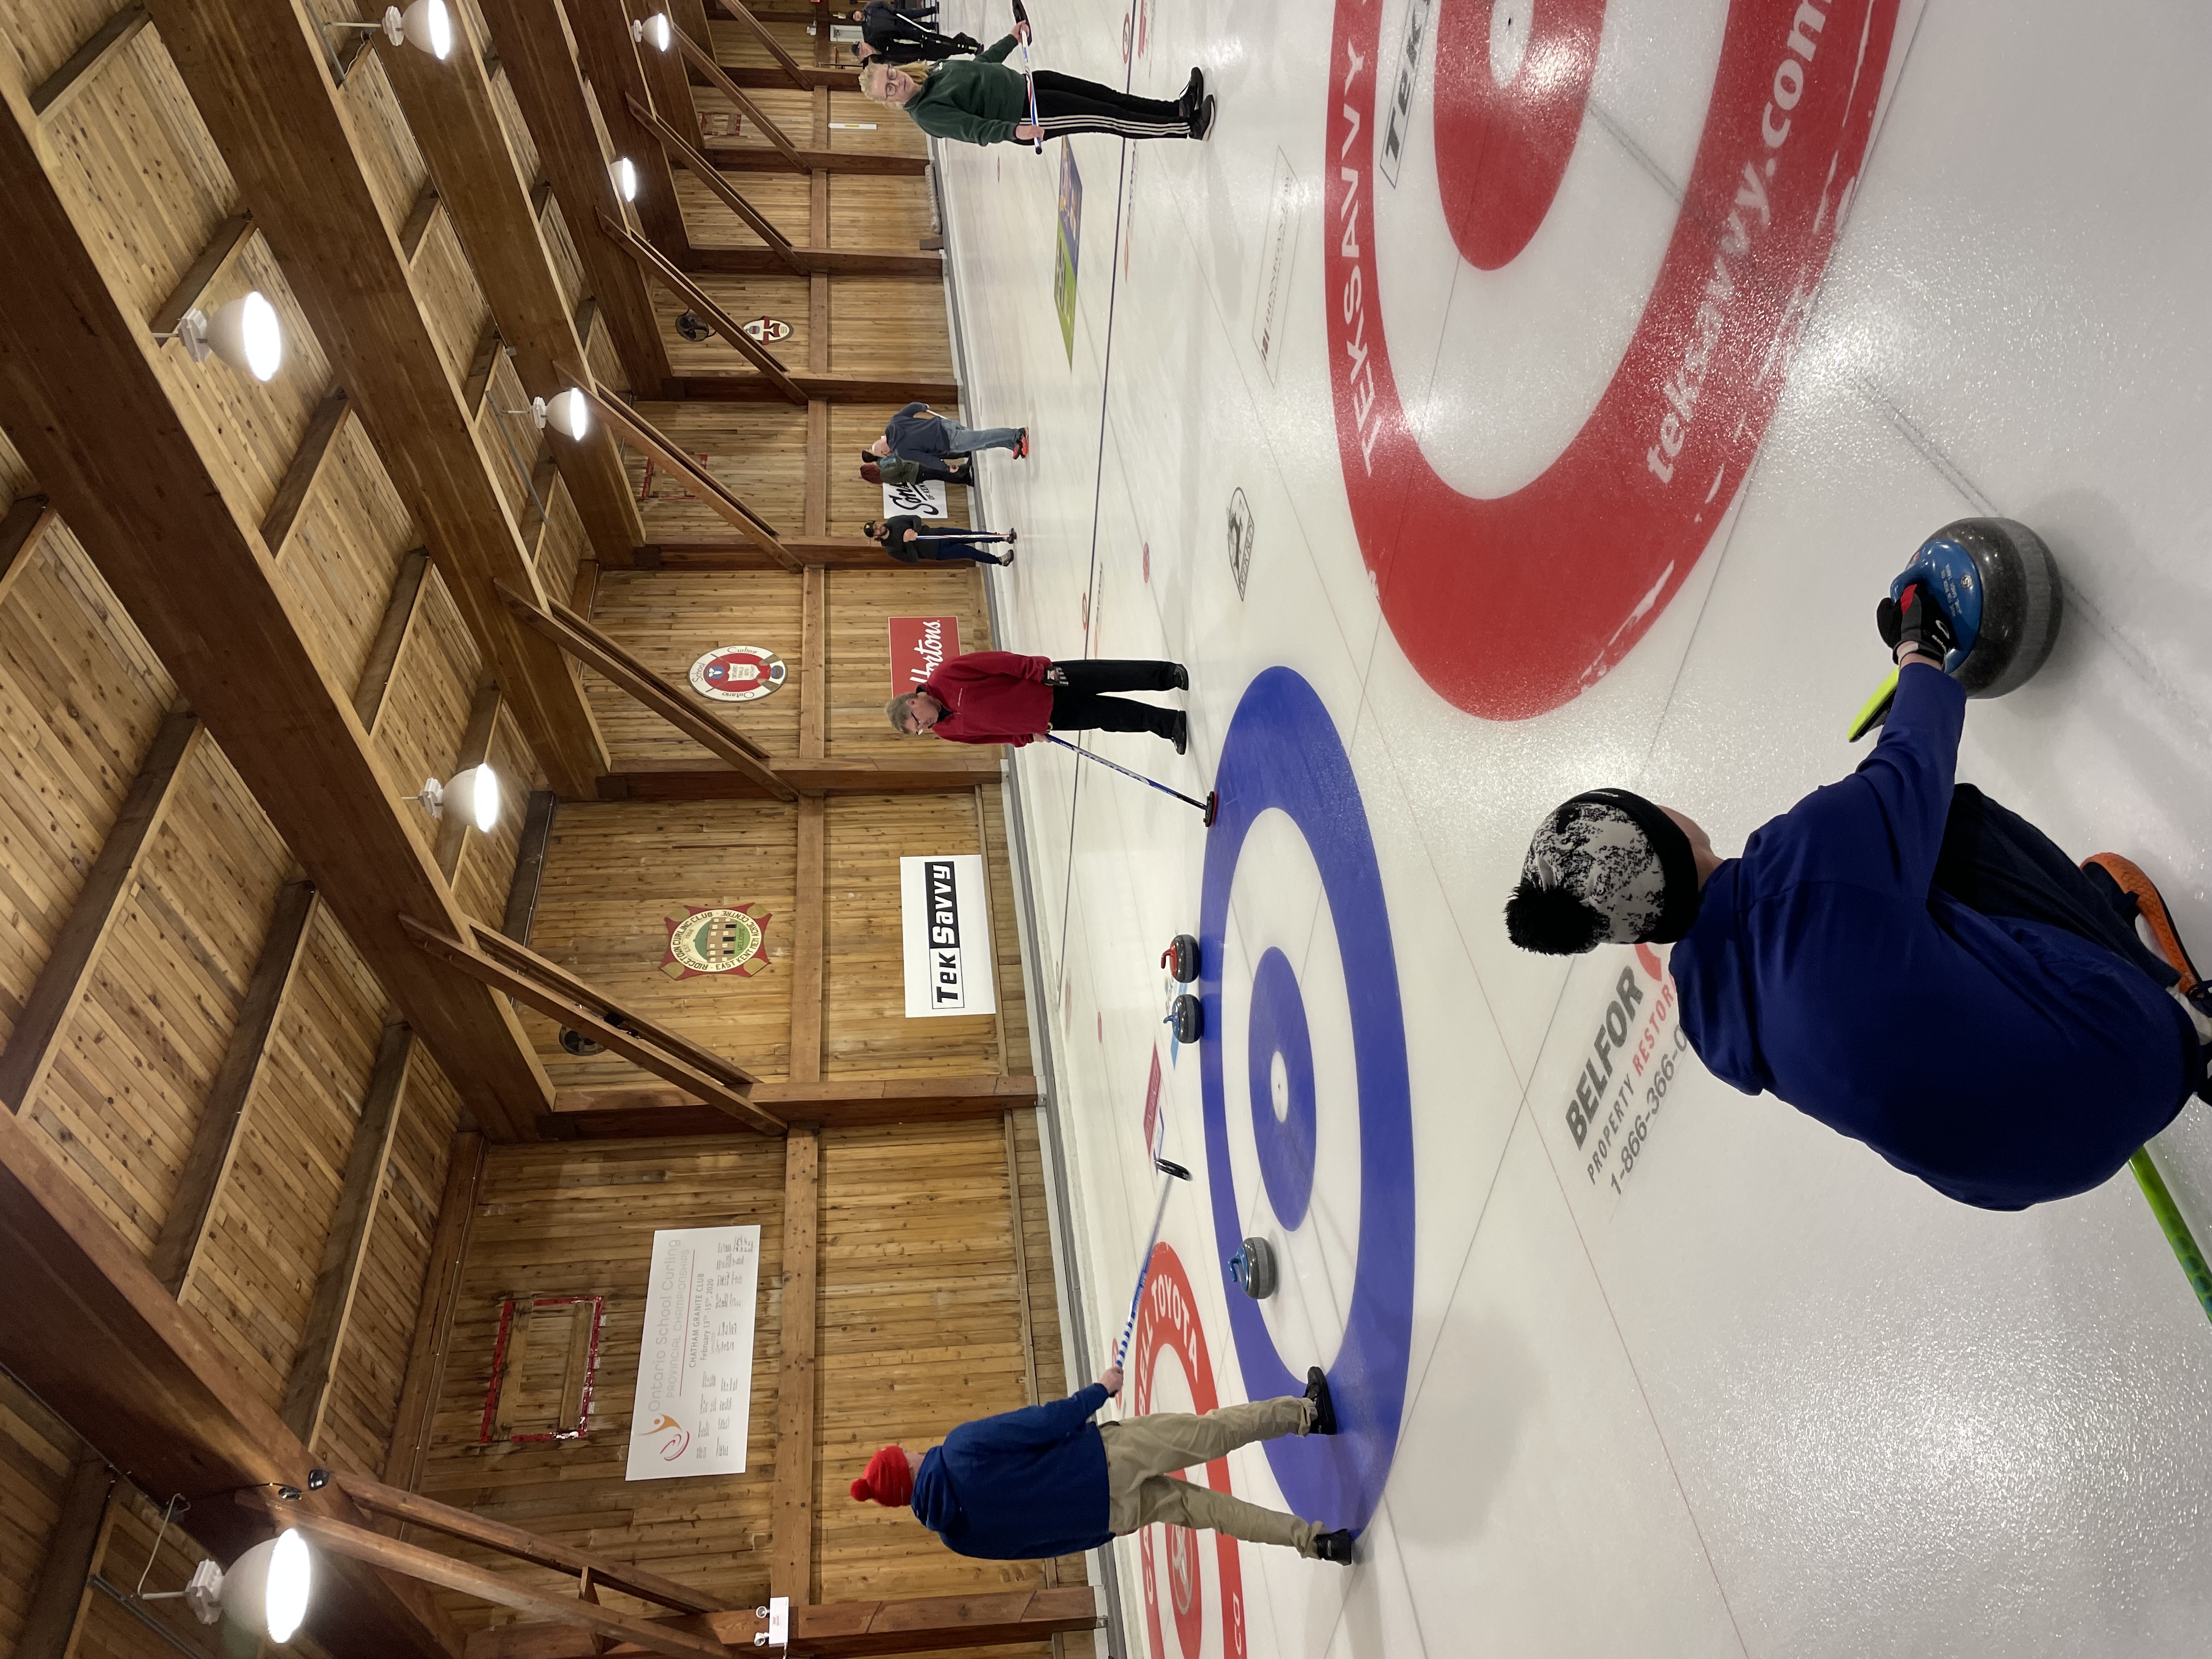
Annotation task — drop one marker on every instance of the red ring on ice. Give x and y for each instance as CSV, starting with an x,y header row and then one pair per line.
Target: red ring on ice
x,y
1512,605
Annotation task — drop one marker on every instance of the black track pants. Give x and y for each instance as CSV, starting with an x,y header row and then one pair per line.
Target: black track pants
x,y
1066,104
1111,674
1086,711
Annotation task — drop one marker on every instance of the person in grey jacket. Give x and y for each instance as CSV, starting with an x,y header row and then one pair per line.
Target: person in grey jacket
x,y
979,101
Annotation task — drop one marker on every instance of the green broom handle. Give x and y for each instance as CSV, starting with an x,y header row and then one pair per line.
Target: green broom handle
x,y
2177,1230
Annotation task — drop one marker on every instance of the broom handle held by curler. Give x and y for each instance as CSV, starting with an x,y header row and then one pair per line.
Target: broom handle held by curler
x,y
1144,1271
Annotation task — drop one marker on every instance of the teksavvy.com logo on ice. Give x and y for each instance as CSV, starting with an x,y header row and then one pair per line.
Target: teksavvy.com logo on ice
x,y
1587,553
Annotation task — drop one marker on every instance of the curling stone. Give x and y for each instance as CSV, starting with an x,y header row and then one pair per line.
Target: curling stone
x,y
1253,1267
2000,586
1181,959
1187,1015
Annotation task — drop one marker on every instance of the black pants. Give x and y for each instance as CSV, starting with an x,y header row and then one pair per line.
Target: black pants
x,y
1079,707
958,547
1066,104
1997,862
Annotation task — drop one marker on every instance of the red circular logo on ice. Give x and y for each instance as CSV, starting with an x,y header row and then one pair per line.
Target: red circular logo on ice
x,y
1512,605
1168,1323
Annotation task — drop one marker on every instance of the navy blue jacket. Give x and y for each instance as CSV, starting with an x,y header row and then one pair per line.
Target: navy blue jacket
x,y
2004,1062
915,434
1024,1485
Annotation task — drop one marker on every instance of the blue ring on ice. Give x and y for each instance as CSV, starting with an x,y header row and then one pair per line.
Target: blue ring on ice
x,y
1278,1026
1282,751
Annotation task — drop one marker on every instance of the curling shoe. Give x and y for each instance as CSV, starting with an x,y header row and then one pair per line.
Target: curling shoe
x,y
1336,1547
2138,893
1193,93
1179,678
1021,446
1324,1412
1201,120
1178,732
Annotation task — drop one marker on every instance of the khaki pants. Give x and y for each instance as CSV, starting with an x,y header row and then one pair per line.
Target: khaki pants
x,y
1141,1452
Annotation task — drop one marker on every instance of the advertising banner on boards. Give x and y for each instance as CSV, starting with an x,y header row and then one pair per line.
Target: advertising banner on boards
x,y
694,1365
919,644
922,498
945,926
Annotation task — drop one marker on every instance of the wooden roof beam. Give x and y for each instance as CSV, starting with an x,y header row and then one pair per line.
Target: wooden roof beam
x,y
733,157
152,1391
738,11
538,49
681,148
814,386
261,78
651,259
54,93
704,62
642,433
928,771
762,77
642,1110
81,395
451,109
610,60
816,261
791,1504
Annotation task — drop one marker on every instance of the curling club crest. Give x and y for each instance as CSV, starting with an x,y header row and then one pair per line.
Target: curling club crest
x,y
717,941
736,674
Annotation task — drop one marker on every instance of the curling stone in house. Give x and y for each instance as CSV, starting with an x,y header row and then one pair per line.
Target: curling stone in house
x,y
1253,1268
1180,958
2000,586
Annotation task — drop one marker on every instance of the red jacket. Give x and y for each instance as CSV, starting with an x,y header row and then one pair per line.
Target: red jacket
x,y
991,697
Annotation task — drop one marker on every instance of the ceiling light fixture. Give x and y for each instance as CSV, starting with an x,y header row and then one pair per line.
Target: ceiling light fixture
x,y
656,28
245,334
474,791
625,173
264,1593
426,26
569,413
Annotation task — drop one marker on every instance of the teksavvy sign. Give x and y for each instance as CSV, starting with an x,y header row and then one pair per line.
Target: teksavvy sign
x,y
919,645
946,931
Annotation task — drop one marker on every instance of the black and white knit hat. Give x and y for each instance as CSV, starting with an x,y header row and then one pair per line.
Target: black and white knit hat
x,y
1607,866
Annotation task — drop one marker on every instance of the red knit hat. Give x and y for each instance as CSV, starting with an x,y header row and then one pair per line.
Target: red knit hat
x,y
889,1481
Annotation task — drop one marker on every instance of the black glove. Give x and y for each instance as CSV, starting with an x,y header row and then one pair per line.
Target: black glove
x,y
1916,619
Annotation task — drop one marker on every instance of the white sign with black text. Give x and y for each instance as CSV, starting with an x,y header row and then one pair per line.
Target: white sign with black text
x,y
694,1366
946,927
922,498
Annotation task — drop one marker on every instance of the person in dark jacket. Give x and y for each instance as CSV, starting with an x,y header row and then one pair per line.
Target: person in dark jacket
x,y
918,433
895,36
979,101
889,470
1900,957
1046,1481
908,540
1001,697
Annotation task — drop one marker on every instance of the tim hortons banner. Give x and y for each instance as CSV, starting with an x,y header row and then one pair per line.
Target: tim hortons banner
x,y
919,644
946,929
694,1366
924,499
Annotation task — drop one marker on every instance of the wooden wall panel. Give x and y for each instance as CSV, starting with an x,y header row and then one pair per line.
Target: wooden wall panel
x,y
739,47
865,1029
758,450
138,1052
397,171
432,686
920,1331
46,34
616,872
791,110
888,324
110,1631
894,135
667,620
522,441
487,864
365,1382
561,244
254,1278
779,197
81,696
344,554
455,306
861,605
569,1218
36,1453
878,212
563,548
510,114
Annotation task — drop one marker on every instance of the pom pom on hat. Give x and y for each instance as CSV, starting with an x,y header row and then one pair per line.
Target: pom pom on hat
x,y
889,1479
1551,921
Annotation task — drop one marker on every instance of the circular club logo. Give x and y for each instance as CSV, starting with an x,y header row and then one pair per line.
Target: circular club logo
x,y
1168,1323
767,330
1512,605
736,674
717,942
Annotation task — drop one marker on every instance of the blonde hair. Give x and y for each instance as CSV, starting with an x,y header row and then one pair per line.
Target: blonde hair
x,y
875,72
